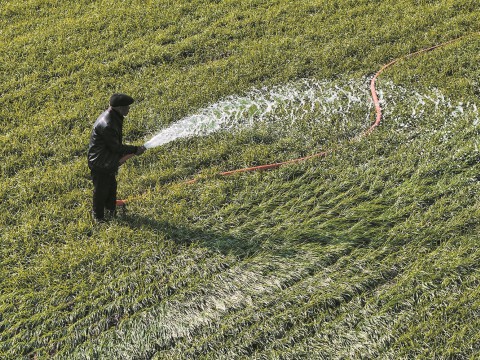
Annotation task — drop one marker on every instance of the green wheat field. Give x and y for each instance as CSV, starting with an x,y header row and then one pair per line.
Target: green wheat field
x,y
371,252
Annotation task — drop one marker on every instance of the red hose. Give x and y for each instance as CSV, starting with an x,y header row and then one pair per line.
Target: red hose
x,y
376,102
378,117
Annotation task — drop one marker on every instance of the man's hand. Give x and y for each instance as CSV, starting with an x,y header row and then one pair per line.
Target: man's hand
x,y
140,150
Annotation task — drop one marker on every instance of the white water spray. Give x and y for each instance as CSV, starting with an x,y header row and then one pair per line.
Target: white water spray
x,y
309,105
280,104
404,109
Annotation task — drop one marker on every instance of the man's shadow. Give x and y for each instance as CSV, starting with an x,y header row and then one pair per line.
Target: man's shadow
x,y
185,235
249,243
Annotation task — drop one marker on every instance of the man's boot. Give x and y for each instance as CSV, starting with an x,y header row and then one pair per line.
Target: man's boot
x,y
110,214
97,220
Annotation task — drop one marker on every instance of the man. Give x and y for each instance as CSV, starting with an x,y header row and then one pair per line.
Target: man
x,y
104,153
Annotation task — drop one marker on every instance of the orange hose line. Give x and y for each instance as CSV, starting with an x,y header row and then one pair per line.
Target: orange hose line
x,y
273,166
378,116
376,102
378,119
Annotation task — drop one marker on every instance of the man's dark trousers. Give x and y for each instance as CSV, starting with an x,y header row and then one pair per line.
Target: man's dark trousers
x,y
104,193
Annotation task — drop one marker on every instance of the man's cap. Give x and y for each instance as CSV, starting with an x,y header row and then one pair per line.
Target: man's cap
x,y
121,100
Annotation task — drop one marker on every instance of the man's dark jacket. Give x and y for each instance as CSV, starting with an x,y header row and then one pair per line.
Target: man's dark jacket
x,y
106,148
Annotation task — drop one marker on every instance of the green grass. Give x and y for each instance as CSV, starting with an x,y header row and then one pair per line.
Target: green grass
x,y
370,252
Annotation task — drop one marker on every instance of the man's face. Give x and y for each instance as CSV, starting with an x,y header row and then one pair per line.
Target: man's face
x,y
124,110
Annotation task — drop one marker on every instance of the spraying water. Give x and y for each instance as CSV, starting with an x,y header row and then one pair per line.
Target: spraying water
x,y
405,109
303,108
281,105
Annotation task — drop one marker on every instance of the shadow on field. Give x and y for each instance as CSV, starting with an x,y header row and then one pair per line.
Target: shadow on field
x,y
184,235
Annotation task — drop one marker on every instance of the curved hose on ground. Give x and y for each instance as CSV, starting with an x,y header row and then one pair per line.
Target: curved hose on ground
x,y
378,119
